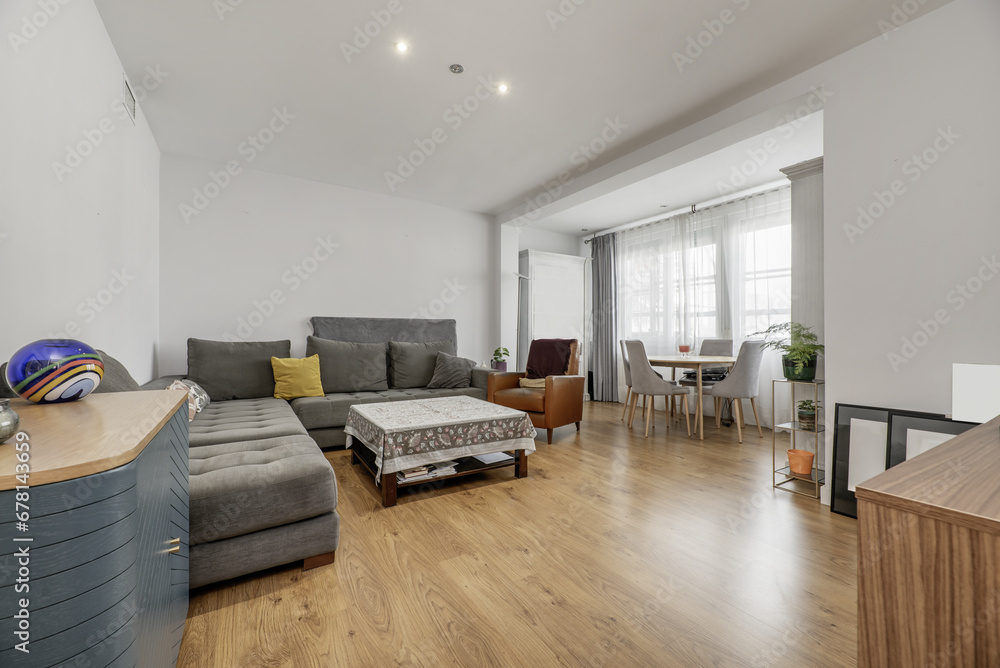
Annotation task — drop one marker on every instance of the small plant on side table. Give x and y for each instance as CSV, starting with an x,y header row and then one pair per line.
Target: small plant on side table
x,y
499,362
799,348
807,410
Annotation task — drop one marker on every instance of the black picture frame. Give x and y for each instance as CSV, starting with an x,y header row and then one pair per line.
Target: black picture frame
x,y
842,499
901,423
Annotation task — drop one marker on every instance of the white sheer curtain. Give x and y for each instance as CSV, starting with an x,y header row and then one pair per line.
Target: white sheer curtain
x,y
723,272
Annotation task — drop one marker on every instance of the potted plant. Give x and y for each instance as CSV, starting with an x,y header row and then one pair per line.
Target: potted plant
x,y
807,414
799,348
498,362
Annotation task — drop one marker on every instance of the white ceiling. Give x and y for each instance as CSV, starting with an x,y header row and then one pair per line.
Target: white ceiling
x,y
747,164
605,61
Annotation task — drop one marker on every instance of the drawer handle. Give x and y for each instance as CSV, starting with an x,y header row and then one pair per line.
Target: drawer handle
x,y
175,541
174,550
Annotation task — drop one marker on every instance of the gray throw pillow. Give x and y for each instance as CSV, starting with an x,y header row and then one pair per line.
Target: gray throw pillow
x,y
235,370
349,367
116,376
452,372
412,364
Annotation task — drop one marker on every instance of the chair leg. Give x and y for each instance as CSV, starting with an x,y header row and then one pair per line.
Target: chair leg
x,y
718,413
549,433
753,405
687,416
628,396
649,413
631,412
644,406
738,418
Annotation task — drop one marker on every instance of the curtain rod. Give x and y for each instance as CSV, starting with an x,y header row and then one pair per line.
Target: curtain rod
x,y
725,199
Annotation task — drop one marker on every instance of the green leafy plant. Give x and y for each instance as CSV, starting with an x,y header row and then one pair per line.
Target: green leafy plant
x,y
793,340
500,353
809,406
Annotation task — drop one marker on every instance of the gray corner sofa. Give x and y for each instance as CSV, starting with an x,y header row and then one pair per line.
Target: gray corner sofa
x,y
368,379
261,492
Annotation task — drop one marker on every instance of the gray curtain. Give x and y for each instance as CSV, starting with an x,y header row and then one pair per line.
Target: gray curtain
x,y
605,355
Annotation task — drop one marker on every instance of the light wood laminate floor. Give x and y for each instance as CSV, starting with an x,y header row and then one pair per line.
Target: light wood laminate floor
x,y
615,551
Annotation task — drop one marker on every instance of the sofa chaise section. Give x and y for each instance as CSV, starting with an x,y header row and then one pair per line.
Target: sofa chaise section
x,y
257,504
262,494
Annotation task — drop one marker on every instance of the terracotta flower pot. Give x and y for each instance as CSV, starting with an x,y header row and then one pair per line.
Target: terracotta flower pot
x,y
800,462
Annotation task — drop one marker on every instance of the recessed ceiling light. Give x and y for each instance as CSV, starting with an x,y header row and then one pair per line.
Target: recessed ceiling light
x,y
402,47
456,69
503,88
585,229
664,206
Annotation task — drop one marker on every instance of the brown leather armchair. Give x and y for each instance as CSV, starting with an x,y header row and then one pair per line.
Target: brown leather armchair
x,y
557,404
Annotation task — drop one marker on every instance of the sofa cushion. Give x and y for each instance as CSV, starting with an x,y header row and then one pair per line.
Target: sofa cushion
x,y
451,371
331,410
412,364
295,378
243,420
529,399
235,370
116,376
199,394
192,400
349,367
240,487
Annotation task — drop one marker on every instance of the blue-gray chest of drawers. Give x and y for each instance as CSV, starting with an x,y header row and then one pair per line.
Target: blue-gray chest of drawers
x,y
108,567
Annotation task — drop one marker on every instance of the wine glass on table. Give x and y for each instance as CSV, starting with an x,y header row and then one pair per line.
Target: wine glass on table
x,y
685,350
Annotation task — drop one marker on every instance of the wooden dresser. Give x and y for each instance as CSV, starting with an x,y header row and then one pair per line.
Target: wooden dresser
x,y
105,527
929,557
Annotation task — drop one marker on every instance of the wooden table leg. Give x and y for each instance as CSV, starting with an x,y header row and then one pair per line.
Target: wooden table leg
x,y
389,489
520,464
700,412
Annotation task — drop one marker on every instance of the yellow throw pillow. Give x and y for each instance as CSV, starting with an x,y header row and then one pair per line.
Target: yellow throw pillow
x,y
294,378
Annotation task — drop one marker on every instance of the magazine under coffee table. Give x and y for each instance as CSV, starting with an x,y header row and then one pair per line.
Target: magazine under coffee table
x,y
401,435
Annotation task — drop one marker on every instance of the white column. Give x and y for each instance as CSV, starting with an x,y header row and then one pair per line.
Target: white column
x,y
807,278
509,248
807,243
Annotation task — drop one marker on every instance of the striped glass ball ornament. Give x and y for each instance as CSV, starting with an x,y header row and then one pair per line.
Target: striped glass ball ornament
x,y
54,371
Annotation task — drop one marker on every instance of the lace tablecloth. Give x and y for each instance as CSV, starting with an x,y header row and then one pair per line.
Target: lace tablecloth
x,y
405,434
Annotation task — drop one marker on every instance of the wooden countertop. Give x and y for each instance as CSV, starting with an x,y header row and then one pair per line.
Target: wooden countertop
x,y
97,433
956,482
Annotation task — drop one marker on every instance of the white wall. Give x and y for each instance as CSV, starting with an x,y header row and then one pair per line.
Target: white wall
x,y
66,231
893,99
260,260
509,285
550,242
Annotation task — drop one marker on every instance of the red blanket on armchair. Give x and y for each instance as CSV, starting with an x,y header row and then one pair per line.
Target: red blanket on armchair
x,y
548,357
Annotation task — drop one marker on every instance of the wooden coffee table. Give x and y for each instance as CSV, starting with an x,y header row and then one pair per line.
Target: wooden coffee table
x,y
400,435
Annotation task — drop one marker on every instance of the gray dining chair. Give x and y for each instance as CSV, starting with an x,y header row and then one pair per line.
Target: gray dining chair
x,y
710,348
628,382
741,383
628,377
647,383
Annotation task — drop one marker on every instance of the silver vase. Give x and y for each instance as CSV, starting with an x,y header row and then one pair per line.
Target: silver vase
x,y
9,421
